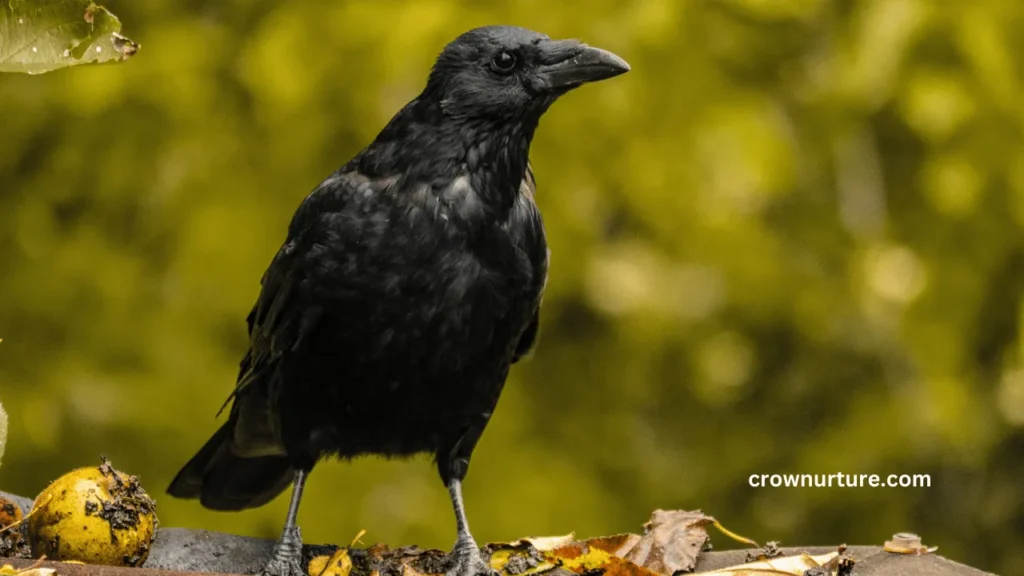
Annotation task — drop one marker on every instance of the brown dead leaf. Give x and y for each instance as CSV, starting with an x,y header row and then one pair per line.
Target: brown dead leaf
x,y
579,558
599,554
618,545
621,567
672,541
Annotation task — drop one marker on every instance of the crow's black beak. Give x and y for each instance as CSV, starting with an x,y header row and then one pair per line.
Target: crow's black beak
x,y
587,64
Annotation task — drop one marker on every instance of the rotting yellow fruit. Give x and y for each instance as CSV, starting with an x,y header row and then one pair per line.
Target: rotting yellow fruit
x,y
94,515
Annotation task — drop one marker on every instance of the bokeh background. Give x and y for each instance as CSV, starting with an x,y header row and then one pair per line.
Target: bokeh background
x,y
791,240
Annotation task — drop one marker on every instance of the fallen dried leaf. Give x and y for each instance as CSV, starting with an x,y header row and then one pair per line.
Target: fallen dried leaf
x,y
546,543
618,545
36,572
520,561
580,558
524,556
599,554
672,541
795,565
33,570
338,565
621,567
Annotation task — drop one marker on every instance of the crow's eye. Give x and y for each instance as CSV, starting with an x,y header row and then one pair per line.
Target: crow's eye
x,y
504,62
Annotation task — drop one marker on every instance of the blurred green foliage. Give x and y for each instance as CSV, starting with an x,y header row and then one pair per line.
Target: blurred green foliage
x,y
791,240
3,431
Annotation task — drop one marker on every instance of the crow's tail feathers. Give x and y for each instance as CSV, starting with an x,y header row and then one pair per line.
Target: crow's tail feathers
x,y
222,480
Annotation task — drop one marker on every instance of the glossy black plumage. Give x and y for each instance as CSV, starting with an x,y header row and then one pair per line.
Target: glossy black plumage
x,y
410,281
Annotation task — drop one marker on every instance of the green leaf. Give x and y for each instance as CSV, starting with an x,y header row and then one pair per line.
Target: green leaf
x,y
45,35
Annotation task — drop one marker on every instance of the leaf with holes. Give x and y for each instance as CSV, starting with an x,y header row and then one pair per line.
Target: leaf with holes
x,y
40,36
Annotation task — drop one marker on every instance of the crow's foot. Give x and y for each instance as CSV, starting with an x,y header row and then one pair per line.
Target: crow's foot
x,y
467,561
278,567
287,557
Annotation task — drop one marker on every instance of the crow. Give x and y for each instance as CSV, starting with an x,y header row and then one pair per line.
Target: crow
x,y
409,283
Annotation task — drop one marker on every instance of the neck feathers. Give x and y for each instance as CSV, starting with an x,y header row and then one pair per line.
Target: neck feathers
x,y
425,146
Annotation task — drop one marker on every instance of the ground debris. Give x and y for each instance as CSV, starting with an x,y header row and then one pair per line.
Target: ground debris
x,y
13,532
907,543
182,552
770,550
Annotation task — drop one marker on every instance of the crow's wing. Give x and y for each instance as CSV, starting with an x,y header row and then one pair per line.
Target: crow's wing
x,y
283,316
528,338
528,188
277,323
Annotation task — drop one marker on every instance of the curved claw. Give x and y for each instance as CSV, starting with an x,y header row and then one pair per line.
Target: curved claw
x,y
281,567
287,556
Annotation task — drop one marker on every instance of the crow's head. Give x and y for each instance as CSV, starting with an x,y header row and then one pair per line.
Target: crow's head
x,y
508,73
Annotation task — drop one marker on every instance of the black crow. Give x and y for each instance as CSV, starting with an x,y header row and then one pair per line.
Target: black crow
x,y
409,283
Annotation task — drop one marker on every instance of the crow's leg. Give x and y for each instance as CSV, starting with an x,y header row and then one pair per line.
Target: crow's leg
x,y
466,557
286,559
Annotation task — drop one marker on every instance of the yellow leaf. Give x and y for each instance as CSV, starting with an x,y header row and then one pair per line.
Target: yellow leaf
x,y
317,565
338,565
